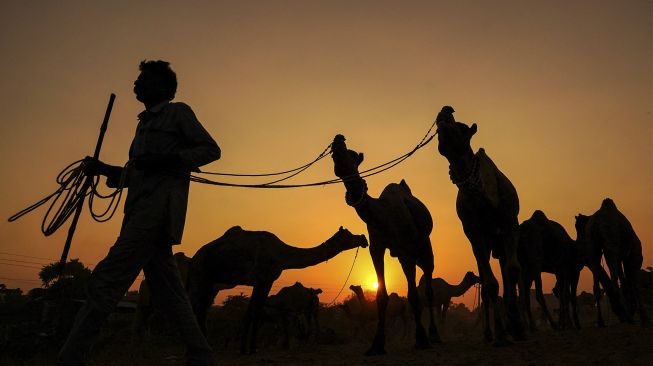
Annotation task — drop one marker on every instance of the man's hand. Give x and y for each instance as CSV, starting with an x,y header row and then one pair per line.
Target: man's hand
x,y
93,167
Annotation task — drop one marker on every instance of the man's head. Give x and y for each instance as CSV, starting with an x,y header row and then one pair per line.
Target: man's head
x,y
156,83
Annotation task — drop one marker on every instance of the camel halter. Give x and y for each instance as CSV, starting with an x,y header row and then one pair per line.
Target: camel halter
x,y
472,180
360,199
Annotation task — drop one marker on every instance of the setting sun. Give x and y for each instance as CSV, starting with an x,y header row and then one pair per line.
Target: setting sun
x,y
375,285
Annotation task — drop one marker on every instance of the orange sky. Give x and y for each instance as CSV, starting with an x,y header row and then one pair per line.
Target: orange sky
x,y
561,94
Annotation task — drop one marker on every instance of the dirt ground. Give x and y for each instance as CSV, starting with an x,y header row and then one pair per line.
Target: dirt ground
x,y
616,344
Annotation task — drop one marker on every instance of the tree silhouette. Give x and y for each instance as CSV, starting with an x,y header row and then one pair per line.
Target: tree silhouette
x,y
74,270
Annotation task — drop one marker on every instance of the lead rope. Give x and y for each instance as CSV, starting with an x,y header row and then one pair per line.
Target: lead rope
x,y
346,279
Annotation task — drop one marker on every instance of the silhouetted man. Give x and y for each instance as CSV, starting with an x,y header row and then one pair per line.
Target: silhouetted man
x,y
170,143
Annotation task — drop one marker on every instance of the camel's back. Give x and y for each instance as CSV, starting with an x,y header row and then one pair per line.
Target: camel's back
x,y
237,239
496,186
399,195
608,226
237,251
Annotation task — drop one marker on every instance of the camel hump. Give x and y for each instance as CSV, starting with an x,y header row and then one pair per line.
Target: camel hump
x,y
405,186
234,230
608,204
538,215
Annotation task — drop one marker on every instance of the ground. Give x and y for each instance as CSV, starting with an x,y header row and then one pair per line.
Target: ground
x,y
338,344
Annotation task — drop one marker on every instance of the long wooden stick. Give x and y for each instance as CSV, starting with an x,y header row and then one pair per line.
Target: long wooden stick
x,y
85,187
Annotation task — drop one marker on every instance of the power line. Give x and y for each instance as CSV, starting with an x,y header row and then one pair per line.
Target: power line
x,y
19,265
28,256
19,279
19,261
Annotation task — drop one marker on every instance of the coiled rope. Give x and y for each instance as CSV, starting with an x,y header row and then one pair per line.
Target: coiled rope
x,y
66,198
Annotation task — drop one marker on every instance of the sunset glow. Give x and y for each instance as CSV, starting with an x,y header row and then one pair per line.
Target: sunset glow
x,y
561,96
375,285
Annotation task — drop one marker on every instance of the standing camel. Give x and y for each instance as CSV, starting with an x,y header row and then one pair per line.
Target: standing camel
x,y
253,258
487,205
443,291
545,246
609,231
396,308
396,221
294,303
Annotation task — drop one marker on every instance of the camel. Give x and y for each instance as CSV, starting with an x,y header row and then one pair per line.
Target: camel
x,y
396,221
443,291
367,310
590,256
144,308
487,205
295,302
609,232
545,246
253,258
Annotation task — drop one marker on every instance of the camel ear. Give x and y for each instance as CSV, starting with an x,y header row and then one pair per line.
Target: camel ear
x,y
472,130
341,228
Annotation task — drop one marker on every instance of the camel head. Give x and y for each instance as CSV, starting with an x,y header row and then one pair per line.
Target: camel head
x,y
345,240
356,289
471,278
345,162
454,138
581,223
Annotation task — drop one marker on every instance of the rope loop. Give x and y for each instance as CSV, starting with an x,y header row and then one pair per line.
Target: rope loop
x,y
65,199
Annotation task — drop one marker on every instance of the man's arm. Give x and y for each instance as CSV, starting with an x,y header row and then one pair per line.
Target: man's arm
x,y
113,173
202,147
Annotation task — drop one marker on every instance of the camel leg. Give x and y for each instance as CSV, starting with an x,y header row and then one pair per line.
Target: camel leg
x,y
252,317
485,307
573,288
445,307
539,296
421,340
427,267
563,299
316,328
511,273
378,344
201,295
614,266
259,295
490,294
438,314
526,301
632,265
285,344
596,289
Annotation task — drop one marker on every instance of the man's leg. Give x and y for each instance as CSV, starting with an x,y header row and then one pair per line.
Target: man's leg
x,y
109,281
169,294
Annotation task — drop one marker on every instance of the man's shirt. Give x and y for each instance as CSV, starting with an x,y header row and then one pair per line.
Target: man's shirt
x,y
157,199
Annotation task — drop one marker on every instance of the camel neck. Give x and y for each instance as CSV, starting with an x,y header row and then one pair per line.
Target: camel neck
x,y
358,198
461,168
297,258
461,288
361,298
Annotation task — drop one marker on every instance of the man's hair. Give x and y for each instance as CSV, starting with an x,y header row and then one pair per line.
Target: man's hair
x,y
163,70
